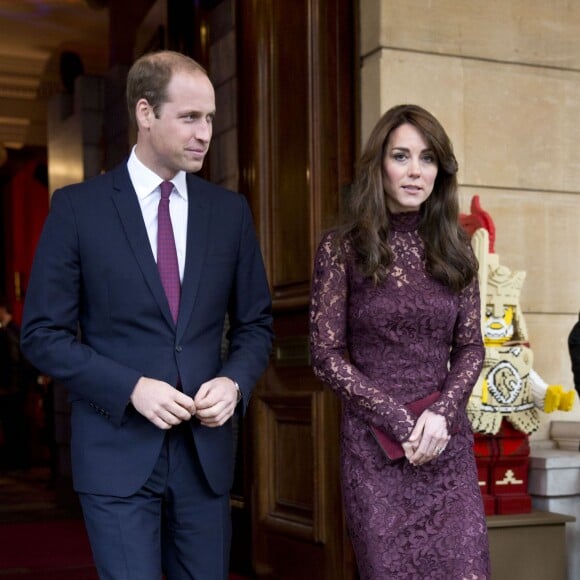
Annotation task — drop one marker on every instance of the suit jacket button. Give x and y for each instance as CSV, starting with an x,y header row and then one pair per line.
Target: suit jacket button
x,y
178,348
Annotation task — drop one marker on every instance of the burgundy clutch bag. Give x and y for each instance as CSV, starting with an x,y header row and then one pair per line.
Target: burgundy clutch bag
x,y
391,447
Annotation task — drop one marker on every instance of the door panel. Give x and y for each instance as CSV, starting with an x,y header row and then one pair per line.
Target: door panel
x,y
296,134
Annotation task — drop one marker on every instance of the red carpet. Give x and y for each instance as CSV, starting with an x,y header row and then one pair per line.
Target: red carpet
x,y
55,550
52,550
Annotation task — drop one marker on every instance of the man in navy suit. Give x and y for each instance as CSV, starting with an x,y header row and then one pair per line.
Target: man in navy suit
x,y
152,398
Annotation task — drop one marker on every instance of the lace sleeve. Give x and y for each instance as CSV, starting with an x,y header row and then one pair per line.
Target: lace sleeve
x,y
328,341
466,357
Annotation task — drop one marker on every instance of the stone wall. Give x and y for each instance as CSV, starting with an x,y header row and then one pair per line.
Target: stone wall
x,y
503,79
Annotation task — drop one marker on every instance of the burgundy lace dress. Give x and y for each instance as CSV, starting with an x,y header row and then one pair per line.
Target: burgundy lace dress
x,y
405,338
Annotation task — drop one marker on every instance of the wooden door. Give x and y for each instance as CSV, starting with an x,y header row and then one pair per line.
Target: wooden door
x,y
296,134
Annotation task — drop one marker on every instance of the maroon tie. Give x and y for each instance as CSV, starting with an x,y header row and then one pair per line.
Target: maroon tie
x,y
166,252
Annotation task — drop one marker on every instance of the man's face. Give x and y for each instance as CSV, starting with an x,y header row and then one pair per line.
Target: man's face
x,y
179,136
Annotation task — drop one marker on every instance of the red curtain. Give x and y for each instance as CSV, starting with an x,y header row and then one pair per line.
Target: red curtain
x,y
28,202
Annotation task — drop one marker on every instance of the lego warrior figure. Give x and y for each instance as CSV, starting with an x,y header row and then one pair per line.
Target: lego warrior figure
x,y
505,403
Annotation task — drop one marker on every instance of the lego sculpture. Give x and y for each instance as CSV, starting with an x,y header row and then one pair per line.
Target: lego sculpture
x,y
505,403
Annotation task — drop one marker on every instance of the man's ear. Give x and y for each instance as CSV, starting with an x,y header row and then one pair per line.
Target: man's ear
x,y
144,113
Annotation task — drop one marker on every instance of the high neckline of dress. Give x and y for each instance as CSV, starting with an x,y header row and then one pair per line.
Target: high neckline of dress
x,y
407,221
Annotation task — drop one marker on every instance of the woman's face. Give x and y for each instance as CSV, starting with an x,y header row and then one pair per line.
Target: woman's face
x,y
409,169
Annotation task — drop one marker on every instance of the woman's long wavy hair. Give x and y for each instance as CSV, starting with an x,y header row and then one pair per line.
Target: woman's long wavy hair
x,y
448,255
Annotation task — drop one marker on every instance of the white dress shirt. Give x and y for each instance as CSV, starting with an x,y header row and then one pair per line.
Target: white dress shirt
x,y
146,184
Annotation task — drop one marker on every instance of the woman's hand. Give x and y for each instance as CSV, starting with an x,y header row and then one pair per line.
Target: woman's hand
x,y
428,439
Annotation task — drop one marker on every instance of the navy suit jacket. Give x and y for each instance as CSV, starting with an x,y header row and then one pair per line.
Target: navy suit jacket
x,y
96,319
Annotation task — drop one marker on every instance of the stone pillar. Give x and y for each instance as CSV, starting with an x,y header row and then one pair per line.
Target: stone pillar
x,y
75,133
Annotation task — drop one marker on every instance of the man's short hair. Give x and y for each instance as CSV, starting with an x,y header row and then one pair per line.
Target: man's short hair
x,y
150,74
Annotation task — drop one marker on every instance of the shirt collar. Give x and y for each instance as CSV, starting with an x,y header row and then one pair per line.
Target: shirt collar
x,y
146,182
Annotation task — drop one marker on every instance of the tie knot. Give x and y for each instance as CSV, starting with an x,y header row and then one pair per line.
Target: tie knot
x,y
166,189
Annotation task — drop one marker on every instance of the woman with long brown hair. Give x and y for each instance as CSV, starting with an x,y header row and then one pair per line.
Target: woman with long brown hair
x,y
395,332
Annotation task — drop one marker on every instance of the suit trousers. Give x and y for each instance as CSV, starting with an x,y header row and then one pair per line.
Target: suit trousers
x,y
173,525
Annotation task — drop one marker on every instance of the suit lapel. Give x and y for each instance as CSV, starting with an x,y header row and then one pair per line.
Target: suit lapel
x,y
125,199
197,238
